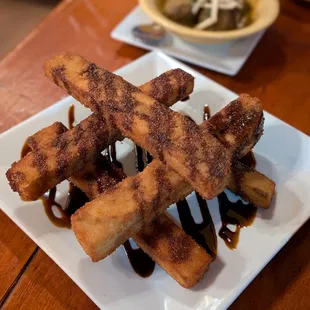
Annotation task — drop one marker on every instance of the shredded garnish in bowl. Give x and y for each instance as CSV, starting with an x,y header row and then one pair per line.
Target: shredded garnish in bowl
x,y
209,14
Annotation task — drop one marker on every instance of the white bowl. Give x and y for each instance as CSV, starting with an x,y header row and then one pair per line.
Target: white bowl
x,y
266,12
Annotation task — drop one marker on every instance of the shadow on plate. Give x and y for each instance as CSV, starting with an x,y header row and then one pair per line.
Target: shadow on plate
x,y
283,146
214,270
286,208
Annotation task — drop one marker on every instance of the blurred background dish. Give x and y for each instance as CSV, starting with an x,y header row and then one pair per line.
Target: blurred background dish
x,y
205,21
213,15
229,57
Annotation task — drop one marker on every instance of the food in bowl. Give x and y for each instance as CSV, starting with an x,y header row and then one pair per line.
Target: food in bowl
x,y
214,15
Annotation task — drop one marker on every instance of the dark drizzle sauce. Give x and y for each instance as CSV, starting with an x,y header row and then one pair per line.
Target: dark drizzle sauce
x,y
140,262
48,201
140,158
76,199
206,112
149,158
185,99
249,160
111,153
71,117
203,233
235,213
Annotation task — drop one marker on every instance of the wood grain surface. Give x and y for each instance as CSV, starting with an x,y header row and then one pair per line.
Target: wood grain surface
x,y
278,72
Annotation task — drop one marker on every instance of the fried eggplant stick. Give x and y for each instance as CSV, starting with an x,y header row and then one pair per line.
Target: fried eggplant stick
x,y
167,135
37,184
239,125
251,185
163,240
106,222
38,172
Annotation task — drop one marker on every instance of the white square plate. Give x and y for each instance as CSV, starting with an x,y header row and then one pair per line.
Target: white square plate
x,y
282,154
227,58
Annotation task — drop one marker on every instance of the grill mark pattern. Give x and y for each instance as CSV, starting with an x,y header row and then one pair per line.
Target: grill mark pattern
x,y
161,88
127,109
164,86
190,148
59,74
163,188
107,132
158,136
138,196
106,174
179,247
118,101
33,143
233,120
39,162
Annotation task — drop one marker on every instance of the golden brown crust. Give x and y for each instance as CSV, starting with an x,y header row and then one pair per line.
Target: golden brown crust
x,y
136,195
239,125
33,175
39,171
167,244
170,87
174,251
251,185
163,240
46,135
97,177
167,135
122,211
140,199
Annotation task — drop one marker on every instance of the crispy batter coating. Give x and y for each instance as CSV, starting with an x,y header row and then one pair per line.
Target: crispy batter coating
x,y
251,185
108,221
239,125
33,175
163,240
231,139
174,250
61,157
173,138
123,210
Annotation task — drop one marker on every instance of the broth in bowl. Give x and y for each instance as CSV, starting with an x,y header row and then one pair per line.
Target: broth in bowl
x,y
211,15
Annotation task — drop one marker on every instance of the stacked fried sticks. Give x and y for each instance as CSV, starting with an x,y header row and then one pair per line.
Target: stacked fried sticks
x,y
188,157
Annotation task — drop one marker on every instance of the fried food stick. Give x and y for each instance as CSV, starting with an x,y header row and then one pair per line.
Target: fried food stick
x,y
38,172
153,238
163,240
239,125
251,185
173,138
68,153
105,223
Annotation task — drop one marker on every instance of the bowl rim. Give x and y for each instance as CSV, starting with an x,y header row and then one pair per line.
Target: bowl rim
x,y
255,27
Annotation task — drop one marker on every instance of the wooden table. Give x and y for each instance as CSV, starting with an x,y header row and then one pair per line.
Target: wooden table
x,y
278,72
